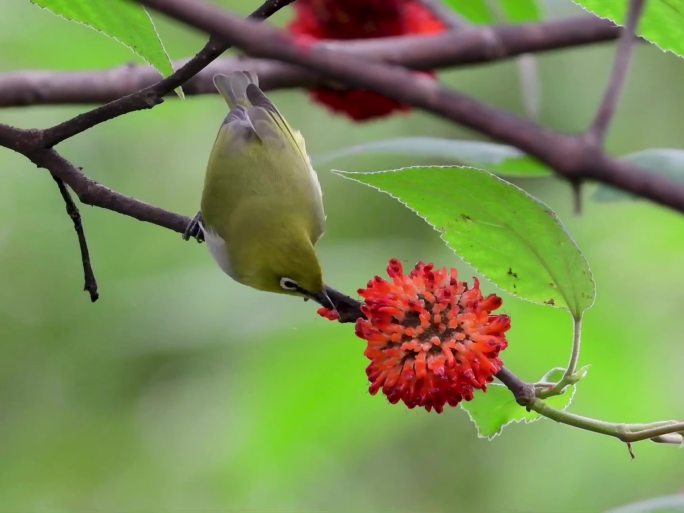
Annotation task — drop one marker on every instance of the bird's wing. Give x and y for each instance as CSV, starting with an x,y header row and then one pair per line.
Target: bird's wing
x,y
257,153
287,147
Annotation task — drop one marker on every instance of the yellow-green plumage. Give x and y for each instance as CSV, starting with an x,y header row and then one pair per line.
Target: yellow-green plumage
x,y
262,210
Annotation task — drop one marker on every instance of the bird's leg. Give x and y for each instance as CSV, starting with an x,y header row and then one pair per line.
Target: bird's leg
x,y
194,229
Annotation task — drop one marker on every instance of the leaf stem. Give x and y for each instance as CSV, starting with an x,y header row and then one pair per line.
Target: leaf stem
x,y
576,345
623,432
667,431
569,376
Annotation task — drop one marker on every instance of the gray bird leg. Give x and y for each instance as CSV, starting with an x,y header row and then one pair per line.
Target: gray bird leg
x,y
194,229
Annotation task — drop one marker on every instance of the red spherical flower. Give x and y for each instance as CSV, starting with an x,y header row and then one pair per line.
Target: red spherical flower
x,y
431,340
360,19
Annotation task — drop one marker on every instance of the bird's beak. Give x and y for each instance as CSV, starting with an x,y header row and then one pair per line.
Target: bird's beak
x,y
323,299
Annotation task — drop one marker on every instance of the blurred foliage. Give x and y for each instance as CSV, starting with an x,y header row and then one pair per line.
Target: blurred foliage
x,y
496,158
181,390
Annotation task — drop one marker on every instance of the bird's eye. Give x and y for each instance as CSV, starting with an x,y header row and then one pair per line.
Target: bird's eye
x,y
289,284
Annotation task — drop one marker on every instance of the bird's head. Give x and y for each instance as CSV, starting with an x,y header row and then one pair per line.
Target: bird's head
x,y
294,269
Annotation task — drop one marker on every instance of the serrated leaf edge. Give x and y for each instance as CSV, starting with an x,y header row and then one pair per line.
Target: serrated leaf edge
x,y
131,47
621,23
349,176
357,150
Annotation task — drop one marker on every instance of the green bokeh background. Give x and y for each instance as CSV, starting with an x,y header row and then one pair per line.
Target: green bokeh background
x,y
181,390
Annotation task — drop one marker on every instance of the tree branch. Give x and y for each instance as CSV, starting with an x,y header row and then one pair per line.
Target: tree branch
x,y
471,45
597,132
570,156
94,193
89,191
152,95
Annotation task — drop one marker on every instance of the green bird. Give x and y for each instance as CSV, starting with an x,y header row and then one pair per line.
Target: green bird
x,y
262,207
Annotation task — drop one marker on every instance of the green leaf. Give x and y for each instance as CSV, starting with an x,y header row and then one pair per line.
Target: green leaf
x,y
122,20
496,158
666,162
475,11
662,22
494,409
520,11
510,237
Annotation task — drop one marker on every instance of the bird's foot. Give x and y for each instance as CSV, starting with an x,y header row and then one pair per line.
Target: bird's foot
x,y
194,229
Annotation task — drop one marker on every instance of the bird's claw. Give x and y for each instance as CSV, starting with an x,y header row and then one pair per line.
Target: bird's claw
x,y
194,229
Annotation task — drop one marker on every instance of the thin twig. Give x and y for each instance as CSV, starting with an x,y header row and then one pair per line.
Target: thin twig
x,y
88,275
152,95
596,133
523,392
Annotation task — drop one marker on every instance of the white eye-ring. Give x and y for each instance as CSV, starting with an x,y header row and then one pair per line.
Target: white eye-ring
x,y
289,284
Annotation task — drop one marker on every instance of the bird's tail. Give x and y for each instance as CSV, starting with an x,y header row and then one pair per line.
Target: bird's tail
x,y
233,87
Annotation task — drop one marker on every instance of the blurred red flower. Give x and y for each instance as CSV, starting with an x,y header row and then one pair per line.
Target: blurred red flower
x,y
360,19
430,339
